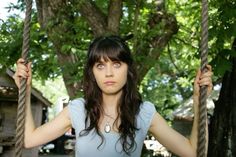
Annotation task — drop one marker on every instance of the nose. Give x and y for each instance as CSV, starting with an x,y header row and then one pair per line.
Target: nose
x,y
109,71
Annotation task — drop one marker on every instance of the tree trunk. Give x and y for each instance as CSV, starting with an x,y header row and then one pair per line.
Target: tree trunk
x,y
222,135
54,12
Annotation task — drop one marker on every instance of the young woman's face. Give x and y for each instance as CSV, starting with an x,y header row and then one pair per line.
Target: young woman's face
x,y
110,76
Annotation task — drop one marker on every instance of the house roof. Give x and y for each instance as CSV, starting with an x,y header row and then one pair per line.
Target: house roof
x,y
185,111
8,89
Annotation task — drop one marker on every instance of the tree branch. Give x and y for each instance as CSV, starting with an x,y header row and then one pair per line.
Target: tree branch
x,y
44,12
186,43
171,58
94,16
114,16
135,28
157,42
57,11
48,9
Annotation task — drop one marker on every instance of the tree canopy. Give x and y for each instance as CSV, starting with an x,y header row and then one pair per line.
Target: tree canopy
x,y
165,58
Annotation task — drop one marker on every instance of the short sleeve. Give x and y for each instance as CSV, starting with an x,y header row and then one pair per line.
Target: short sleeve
x,y
77,113
147,112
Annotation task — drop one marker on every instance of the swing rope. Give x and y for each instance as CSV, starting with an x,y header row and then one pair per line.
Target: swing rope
x,y
202,120
20,123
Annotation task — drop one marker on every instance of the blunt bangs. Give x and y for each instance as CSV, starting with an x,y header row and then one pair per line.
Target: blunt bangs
x,y
109,48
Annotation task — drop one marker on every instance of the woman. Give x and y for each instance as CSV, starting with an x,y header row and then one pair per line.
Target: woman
x,y
111,119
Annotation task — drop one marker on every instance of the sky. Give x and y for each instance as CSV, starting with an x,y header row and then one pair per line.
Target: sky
x,y
3,11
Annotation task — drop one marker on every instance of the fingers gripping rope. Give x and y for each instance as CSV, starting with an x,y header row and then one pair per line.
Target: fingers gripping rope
x,y
20,123
201,150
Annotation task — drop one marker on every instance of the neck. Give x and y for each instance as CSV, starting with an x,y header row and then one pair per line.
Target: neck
x,y
110,102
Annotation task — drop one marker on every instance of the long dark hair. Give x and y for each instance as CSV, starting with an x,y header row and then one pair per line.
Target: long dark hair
x,y
115,49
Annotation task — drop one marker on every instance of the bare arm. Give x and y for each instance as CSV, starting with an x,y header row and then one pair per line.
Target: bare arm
x,y
47,132
171,139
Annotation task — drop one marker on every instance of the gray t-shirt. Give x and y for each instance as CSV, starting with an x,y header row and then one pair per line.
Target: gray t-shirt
x,y
87,146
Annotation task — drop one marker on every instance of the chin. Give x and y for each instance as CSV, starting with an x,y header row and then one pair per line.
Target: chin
x,y
112,92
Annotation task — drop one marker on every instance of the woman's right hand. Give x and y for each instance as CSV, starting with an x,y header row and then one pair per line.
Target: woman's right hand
x,y
23,71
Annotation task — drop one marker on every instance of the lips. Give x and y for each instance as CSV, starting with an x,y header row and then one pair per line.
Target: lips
x,y
109,82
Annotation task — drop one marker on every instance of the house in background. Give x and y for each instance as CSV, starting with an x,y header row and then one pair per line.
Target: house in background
x,y
8,112
183,115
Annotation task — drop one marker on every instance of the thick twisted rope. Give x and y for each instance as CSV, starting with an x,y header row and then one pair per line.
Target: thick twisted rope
x,y
201,150
20,123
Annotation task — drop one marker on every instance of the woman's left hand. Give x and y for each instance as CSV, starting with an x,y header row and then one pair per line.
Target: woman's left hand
x,y
203,79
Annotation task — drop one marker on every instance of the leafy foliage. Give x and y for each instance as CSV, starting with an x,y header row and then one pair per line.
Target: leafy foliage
x,y
168,81
169,78
10,40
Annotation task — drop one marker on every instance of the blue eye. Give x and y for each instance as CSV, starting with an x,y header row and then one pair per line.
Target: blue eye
x,y
100,66
116,64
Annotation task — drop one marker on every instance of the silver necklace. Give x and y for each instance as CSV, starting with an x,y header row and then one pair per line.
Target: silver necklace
x,y
107,127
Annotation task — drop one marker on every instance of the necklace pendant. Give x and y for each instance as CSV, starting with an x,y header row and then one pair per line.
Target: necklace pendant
x,y
107,128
